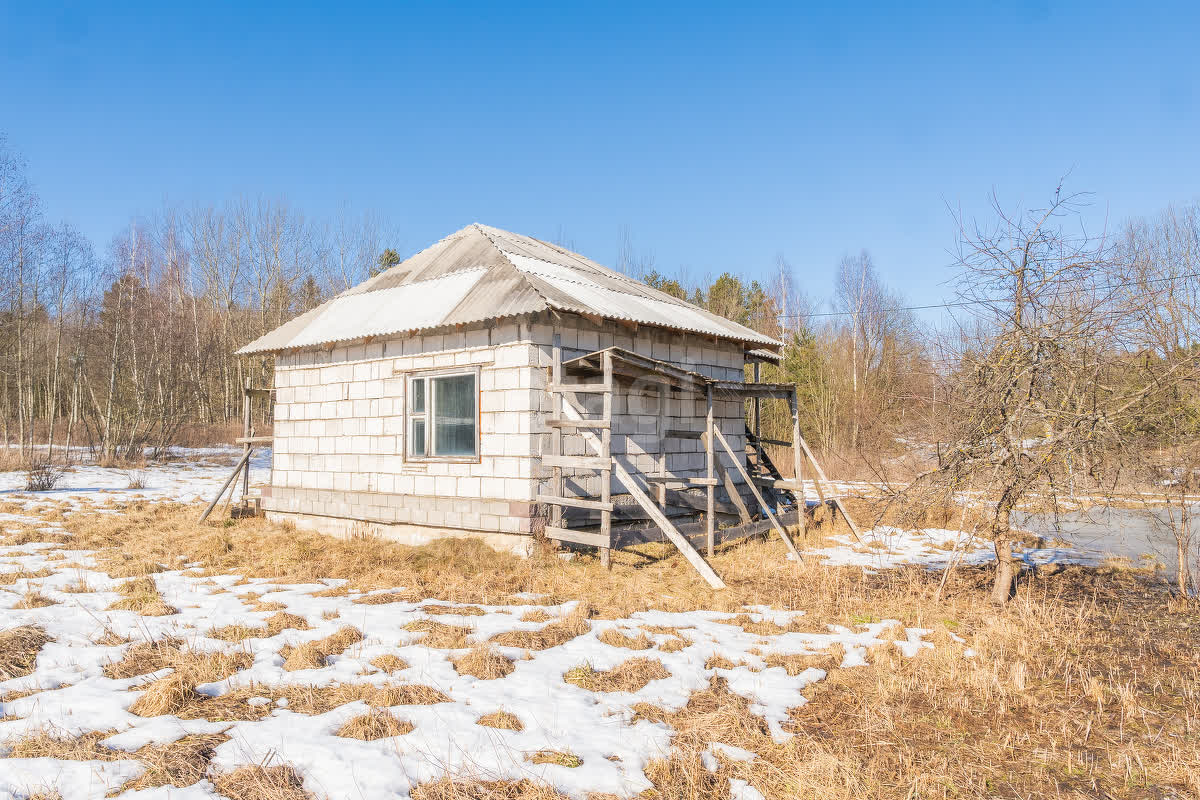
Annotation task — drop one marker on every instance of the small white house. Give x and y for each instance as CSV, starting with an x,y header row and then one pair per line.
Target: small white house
x,y
495,385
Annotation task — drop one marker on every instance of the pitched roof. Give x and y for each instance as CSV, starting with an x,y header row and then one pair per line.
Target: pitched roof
x,y
481,273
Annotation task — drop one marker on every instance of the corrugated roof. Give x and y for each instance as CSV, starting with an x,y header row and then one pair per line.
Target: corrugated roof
x,y
481,273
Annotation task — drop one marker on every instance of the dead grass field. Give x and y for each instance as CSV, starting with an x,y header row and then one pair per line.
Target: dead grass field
x,y
1086,686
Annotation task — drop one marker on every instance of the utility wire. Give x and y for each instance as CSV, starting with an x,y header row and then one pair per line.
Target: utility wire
x,y
968,302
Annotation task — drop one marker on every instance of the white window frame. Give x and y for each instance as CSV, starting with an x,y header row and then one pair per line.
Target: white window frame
x,y
411,415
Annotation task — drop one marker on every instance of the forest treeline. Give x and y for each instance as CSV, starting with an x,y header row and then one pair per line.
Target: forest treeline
x,y
129,348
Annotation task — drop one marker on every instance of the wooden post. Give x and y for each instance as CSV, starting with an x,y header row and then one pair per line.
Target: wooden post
x,y
606,474
244,463
246,434
710,514
558,488
662,444
798,464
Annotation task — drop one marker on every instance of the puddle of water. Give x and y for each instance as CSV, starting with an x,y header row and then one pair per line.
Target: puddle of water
x,y
1131,533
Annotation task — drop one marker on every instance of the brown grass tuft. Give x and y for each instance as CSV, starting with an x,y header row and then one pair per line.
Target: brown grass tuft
x,y
141,595
502,720
536,615
389,662
462,611
483,662
262,783
439,634
615,638
19,648
375,724
34,599
560,757
629,676
312,655
548,636
451,789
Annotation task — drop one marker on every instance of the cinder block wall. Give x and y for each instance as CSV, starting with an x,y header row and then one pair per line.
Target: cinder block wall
x,y
340,425
339,433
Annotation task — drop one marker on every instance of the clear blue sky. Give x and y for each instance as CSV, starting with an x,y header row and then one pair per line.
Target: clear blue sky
x,y
720,135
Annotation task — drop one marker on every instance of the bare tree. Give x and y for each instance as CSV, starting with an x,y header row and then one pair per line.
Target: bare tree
x,y
1046,390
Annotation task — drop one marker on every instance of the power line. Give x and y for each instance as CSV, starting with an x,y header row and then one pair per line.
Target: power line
x,y
968,302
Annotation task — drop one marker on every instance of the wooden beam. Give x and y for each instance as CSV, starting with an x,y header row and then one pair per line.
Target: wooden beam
x,y
669,479
734,495
243,463
575,502
787,540
590,538
676,433
585,388
576,424
606,454
710,514
577,462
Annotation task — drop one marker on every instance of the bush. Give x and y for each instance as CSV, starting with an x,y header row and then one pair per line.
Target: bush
x,y
42,477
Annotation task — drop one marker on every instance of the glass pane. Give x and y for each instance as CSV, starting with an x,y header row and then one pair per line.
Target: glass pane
x,y
416,438
454,416
417,400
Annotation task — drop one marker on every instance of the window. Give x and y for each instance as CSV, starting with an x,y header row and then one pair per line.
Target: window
x,y
443,418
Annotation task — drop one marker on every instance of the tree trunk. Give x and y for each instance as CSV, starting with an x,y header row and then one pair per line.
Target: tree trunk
x,y
1006,570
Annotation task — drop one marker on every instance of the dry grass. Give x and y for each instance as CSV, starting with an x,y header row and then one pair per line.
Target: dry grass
x,y
313,655
796,663
628,676
9,578
34,599
181,763
177,691
375,724
439,634
276,623
1087,685
19,648
389,663
141,595
462,611
536,615
615,638
450,789
262,783
483,662
502,720
559,757
551,635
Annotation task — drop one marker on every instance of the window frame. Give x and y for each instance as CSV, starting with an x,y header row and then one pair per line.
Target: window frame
x,y
429,375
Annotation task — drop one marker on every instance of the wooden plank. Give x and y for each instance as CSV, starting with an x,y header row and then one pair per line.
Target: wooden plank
x,y
255,439
557,484
575,502
590,538
798,464
221,492
681,481
787,540
779,390
606,454
710,512
676,433
578,424
837,501
780,483
262,394
664,524
776,442
734,494
577,462
585,388
656,514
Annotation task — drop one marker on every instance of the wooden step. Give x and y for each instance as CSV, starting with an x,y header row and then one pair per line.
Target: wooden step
x,y
575,424
682,481
575,502
578,537
589,388
577,462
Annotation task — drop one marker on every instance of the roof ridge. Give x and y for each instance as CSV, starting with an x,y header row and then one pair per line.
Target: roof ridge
x,y
504,255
